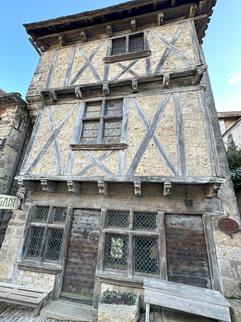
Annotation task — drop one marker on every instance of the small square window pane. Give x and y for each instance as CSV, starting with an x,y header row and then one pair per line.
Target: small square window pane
x,y
41,214
116,251
114,108
146,255
136,43
93,109
112,131
117,218
145,221
119,46
36,238
54,244
89,132
60,214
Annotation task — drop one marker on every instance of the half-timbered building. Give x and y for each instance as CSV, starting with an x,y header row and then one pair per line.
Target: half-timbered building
x,y
125,175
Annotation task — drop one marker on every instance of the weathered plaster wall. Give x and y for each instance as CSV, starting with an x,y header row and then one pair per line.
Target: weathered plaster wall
x,y
141,108
235,132
63,66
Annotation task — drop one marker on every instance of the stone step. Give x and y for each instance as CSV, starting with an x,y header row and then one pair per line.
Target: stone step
x,y
70,311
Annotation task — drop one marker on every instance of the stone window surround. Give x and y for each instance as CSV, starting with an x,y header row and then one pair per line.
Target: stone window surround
x,y
110,58
38,264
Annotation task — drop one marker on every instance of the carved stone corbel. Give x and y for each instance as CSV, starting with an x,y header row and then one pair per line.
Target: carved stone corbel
x,y
160,18
134,85
73,187
167,191
48,186
166,80
83,36
133,25
109,30
21,194
106,89
102,187
137,188
199,74
62,40
78,92
192,11
53,96
212,189
27,185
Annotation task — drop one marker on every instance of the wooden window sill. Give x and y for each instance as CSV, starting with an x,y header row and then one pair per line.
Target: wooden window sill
x,y
128,56
47,268
96,147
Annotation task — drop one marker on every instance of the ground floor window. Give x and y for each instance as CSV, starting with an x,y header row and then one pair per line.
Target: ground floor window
x,y
131,242
45,234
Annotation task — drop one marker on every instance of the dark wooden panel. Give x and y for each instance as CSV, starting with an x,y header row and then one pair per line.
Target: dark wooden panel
x,y
187,260
82,253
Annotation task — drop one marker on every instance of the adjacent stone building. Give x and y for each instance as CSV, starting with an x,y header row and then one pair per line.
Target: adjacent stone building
x,y
125,173
14,127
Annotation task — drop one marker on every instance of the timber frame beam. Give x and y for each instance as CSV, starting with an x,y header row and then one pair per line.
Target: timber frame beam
x,y
139,14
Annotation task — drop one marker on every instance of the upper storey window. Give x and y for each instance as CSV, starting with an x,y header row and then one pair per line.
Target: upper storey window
x,y
128,47
102,122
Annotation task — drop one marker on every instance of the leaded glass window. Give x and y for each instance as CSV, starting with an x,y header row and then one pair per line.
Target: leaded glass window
x,y
102,122
128,44
45,234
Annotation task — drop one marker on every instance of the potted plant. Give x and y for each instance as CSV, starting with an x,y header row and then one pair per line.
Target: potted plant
x,y
118,307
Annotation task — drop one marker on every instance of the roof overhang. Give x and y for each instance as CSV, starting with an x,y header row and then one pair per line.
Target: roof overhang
x,y
199,10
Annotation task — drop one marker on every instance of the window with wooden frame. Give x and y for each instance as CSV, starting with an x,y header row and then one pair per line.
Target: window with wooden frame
x,y
101,125
45,234
131,242
128,47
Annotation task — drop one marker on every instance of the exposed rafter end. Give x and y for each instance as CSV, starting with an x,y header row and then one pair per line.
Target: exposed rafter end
x,y
137,188
109,30
192,11
134,85
133,25
78,92
73,187
212,189
48,186
167,190
53,96
83,36
199,74
166,80
160,18
106,89
62,40
102,187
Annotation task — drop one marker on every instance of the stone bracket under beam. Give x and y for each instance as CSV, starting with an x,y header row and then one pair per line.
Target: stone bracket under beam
x,y
134,84
167,190
199,74
160,18
48,186
73,187
109,30
211,189
106,89
137,188
133,25
78,92
166,80
102,187
53,96
28,185
83,36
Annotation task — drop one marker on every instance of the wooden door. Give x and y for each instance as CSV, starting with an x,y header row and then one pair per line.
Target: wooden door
x,y
79,276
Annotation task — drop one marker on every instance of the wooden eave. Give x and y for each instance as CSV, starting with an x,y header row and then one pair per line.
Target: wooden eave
x,y
12,98
94,23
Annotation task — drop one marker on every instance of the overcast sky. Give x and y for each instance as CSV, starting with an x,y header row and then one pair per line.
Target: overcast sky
x,y
222,44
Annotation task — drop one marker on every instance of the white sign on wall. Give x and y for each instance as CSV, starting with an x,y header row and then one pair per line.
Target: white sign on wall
x,y
9,202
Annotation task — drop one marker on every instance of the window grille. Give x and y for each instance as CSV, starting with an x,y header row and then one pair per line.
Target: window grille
x,y
136,43
54,244
36,239
146,255
116,251
102,122
41,214
46,232
145,221
128,44
119,46
116,218
122,232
